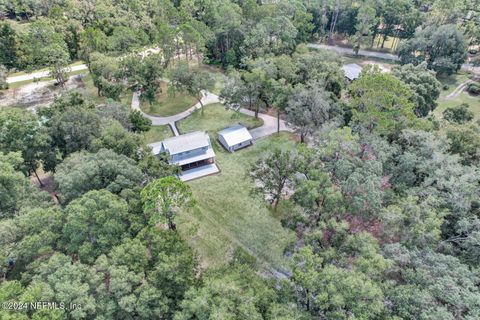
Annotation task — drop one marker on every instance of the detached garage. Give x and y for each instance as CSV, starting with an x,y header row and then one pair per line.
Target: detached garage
x,y
235,137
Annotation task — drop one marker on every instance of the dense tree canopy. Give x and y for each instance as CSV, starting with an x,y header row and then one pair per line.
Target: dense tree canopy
x,y
443,48
381,193
82,172
380,103
424,85
16,190
21,131
309,108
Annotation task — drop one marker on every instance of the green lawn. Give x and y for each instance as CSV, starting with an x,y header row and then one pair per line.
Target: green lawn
x,y
157,133
387,45
217,75
168,104
216,72
22,83
346,58
90,92
453,82
227,216
464,97
18,26
215,118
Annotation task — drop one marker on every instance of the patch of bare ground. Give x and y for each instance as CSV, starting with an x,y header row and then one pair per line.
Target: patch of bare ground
x,y
37,94
45,182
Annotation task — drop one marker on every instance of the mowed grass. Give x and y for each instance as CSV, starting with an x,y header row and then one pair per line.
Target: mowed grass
x,y
215,72
167,104
363,61
453,82
389,43
214,118
21,73
157,133
464,97
19,84
90,92
227,216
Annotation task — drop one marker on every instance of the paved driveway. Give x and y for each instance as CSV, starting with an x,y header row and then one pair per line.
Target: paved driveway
x,y
41,74
269,123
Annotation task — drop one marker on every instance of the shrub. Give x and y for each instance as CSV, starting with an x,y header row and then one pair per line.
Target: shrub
x,y
242,257
459,114
473,88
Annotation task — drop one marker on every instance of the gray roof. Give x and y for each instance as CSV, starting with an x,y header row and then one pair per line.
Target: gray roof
x,y
352,70
184,142
156,147
235,134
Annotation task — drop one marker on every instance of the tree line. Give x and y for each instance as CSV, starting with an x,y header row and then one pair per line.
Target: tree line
x,y
383,197
227,33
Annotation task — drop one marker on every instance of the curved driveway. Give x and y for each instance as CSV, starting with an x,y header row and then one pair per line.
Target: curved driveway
x,y
269,123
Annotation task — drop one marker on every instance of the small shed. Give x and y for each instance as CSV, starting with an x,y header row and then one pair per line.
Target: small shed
x,y
352,71
235,137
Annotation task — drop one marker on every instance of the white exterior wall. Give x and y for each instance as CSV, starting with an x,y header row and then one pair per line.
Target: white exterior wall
x,y
241,145
224,143
234,147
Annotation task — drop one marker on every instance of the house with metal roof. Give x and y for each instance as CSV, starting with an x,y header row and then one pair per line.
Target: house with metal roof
x,y
235,137
352,71
193,152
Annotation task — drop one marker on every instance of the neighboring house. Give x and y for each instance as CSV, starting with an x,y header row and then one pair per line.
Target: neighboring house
x,y
192,152
352,71
235,137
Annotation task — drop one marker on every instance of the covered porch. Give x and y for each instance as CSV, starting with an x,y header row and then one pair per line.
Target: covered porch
x,y
198,172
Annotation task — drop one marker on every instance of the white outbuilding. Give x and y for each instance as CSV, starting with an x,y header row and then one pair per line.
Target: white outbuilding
x,y
235,137
352,71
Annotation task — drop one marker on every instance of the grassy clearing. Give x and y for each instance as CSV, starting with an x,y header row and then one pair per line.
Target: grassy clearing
x,y
464,97
157,133
168,104
217,73
389,43
22,83
18,26
215,118
90,92
227,216
363,61
453,82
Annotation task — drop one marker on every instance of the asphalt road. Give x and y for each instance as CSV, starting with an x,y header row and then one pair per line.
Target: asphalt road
x,y
378,55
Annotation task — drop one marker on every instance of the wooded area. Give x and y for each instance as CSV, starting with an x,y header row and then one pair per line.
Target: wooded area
x,y
380,193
